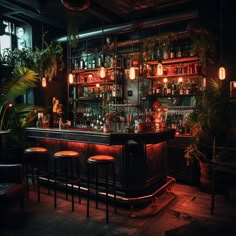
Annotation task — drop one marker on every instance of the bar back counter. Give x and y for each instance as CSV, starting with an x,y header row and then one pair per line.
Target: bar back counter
x,y
140,158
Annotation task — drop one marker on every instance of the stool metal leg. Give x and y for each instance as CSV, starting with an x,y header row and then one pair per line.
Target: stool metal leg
x,y
38,184
107,212
96,169
88,187
114,187
55,185
48,181
66,170
72,184
27,185
78,173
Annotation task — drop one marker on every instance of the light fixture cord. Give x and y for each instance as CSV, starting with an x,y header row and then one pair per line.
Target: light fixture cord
x,y
221,31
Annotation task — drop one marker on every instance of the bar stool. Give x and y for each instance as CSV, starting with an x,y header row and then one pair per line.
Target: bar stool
x,y
67,158
35,162
101,161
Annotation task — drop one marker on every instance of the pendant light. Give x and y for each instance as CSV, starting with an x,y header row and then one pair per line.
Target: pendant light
x,y
102,71
44,77
159,68
159,64
132,69
221,70
44,82
70,78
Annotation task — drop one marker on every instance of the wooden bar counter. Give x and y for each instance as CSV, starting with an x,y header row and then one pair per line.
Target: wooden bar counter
x,y
140,158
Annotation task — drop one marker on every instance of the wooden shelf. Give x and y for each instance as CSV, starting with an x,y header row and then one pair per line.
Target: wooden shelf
x,y
174,61
101,82
186,76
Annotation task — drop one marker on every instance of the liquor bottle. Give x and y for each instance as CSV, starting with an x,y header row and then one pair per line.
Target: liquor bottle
x,y
181,88
172,52
158,89
165,89
85,64
169,89
165,54
179,52
93,63
100,60
81,64
173,88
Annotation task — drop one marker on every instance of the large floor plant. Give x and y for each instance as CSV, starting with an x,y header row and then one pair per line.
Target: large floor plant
x,y
211,121
210,126
17,116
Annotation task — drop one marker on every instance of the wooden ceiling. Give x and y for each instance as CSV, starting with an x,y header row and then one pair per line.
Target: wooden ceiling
x,y
99,12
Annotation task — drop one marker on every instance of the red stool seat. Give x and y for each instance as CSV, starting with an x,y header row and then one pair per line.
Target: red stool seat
x,y
36,150
101,159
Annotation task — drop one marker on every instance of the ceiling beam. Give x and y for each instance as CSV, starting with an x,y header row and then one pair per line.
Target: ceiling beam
x,y
33,14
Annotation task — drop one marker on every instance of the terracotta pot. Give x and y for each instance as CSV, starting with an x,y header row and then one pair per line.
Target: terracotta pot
x,y
205,176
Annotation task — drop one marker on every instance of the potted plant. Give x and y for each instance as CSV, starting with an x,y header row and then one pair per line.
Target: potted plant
x,y
20,71
210,126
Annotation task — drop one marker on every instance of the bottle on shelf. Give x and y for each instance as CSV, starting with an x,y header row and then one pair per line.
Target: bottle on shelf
x,y
82,63
93,63
169,89
172,52
158,88
178,52
173,87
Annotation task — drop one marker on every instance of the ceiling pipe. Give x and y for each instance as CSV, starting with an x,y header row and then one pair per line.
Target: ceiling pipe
x,y
187,15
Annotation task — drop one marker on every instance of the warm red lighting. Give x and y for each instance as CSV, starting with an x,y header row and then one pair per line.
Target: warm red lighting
x,y
10,105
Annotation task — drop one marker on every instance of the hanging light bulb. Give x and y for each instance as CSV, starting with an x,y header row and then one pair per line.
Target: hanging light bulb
x,y
132,73
102,72
44,82
159,69
71,78
222,73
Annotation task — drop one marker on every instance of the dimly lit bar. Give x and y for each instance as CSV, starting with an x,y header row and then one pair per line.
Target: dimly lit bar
x,y
117,117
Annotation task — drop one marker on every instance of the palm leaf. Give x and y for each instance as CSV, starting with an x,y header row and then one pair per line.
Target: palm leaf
x,y
22,79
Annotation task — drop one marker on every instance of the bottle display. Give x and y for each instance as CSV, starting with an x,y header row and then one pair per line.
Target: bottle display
x,y
92,96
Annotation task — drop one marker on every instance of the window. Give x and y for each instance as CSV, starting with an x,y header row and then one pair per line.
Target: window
x,y
6,39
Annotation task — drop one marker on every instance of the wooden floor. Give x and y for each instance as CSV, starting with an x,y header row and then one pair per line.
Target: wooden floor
x,y
185,204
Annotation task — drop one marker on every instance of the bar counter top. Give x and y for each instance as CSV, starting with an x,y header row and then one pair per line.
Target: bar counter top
x,y
99,137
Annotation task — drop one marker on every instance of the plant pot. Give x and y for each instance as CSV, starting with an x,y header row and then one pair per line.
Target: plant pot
x,y
205,176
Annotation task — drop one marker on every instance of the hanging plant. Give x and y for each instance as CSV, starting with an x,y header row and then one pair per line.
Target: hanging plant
x,y
73,29
203,45
49,60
